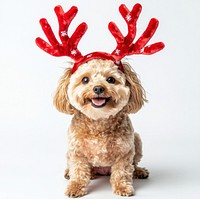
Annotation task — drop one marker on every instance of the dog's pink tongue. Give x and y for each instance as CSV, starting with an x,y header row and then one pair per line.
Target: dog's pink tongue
x,y
98,102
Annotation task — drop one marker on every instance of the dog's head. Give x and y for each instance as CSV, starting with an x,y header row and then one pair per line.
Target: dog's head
x,y
99,89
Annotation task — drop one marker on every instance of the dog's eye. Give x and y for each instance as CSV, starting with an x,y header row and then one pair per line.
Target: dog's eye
x,y
85,80
110,80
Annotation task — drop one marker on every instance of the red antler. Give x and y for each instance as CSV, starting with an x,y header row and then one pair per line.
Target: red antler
x,y
68,46
125,46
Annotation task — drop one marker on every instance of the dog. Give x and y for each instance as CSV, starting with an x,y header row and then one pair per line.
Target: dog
x,y
101,137
100,91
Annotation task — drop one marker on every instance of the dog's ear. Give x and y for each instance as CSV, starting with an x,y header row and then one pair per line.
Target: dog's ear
x,y
61,100
137,92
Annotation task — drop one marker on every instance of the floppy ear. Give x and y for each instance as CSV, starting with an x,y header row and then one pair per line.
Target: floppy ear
x,y
137,92
61,100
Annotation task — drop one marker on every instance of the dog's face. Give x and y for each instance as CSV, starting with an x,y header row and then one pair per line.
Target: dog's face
x,y
99,89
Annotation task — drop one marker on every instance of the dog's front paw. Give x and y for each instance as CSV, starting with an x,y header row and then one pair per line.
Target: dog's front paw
x,y
75,189
124,190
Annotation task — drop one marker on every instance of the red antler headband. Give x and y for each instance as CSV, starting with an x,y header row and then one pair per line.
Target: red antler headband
x,y
125,45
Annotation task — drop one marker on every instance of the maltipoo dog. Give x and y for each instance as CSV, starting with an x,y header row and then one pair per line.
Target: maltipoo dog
x,y
100,91
101,137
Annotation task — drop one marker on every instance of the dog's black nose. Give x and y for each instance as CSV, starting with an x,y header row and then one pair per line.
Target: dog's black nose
x,y
98,89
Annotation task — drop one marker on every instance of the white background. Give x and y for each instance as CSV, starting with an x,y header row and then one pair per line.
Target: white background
x,y
33,133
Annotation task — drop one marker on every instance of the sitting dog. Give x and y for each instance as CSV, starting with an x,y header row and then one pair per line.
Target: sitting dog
x,y
99,90
101,137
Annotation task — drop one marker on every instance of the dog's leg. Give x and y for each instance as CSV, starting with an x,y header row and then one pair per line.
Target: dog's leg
x,y
122,176
139,173
80,173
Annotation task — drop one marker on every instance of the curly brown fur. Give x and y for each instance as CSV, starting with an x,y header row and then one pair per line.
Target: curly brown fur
x,y
101,137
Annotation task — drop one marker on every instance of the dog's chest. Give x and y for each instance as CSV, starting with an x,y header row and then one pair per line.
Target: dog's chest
x,y
103,141
103,150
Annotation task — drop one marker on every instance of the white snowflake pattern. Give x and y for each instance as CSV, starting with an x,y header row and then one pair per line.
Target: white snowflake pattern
x,y
117,51
128,17
74,52
63,33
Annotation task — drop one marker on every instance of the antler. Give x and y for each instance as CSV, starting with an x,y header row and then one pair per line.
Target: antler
x,y
68,46
125,46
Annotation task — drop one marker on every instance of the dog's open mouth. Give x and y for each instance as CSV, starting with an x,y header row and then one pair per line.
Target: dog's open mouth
x,y
99,102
